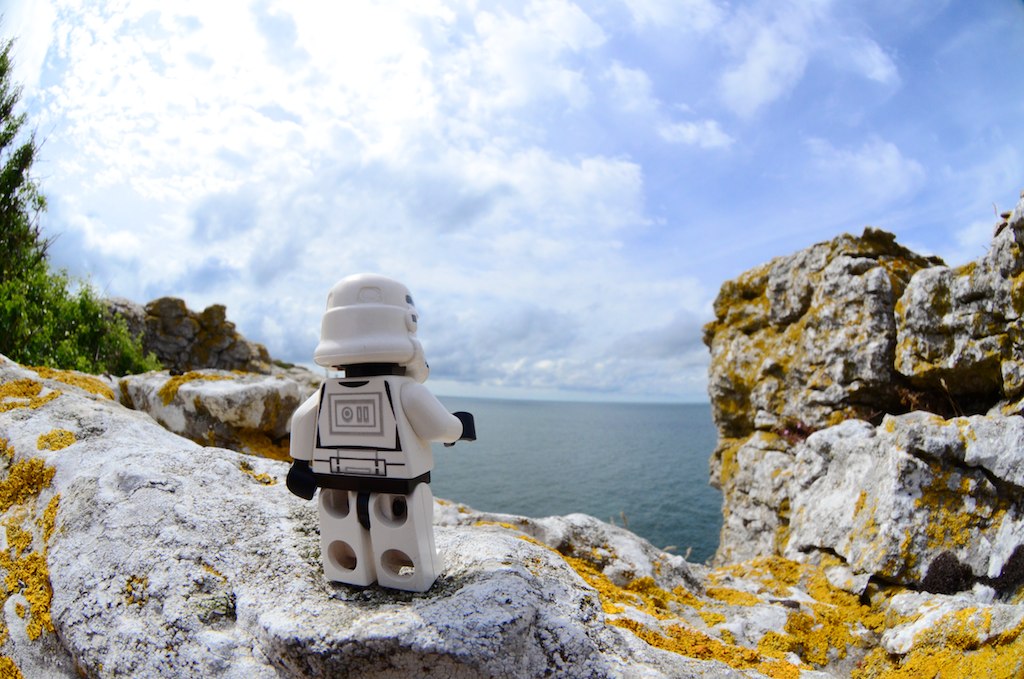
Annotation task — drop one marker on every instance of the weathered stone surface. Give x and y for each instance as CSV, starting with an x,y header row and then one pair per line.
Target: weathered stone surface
x,y
807,340
247,412
130,551
890,501
184,340
961,329
798,344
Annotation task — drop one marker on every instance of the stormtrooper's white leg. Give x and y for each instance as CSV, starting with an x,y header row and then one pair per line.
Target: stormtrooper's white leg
x,y
402,532
344,543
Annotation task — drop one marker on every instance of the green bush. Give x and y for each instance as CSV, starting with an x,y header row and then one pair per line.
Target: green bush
x,y
44,322
45,317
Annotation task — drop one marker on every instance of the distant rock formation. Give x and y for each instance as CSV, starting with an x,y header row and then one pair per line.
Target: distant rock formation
x,y
247,412
184,340
868,403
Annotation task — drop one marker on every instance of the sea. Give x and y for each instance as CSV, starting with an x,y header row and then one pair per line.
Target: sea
x,y
641,465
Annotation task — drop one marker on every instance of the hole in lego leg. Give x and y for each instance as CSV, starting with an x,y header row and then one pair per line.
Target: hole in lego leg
x,y
398,563
342,555
335,502
392,510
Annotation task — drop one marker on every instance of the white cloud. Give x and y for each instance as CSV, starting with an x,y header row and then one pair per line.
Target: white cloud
x,y
975,238
706,134
773,61
877,168
514,61
695,15
30,24
773,43
631,89
867,58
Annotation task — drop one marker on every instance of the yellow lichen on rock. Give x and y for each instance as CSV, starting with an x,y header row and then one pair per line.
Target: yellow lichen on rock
x,y
91,384
258,444
8,669
265,479
25,479
957,646
24,393
136,590
24,569
952,525
58,439
171,387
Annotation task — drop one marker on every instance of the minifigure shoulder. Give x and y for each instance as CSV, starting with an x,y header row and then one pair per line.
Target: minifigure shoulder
x,y
429,418
303,428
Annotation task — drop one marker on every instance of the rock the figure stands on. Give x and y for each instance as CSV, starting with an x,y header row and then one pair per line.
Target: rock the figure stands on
x,y
364,439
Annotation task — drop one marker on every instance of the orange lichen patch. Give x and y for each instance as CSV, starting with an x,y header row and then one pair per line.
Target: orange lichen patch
x,y
259,444
48,521
170,388
502,524
821,630
8,669
18,539
950,524
957,646
24,393
136,590
30,576
58,439
673,634
776,575
25,479
265,479
213,571
730,462
733,597
88,383
24,568
6,449
694,644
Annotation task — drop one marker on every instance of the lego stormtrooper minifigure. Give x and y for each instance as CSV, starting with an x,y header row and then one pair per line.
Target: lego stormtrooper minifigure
x,y
364,440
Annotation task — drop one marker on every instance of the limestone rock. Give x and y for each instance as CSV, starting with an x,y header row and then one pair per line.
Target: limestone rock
x,y
798,344
807,340
184,340
892,500
247,412
961,329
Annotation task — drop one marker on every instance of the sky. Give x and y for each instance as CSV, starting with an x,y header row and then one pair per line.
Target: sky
x,y
563,186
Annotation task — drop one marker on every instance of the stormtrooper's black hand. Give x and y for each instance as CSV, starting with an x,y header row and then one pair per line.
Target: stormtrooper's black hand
x,y
468,426
301,481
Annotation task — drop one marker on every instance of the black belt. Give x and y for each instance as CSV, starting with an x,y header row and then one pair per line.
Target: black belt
x,y
371,484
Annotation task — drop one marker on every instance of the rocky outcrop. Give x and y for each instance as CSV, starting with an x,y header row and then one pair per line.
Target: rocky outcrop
x,y
129,551
961,330
184,340
868,403
247,412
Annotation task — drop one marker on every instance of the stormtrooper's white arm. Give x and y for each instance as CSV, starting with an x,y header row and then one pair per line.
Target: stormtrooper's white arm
x,y
303,426
429,418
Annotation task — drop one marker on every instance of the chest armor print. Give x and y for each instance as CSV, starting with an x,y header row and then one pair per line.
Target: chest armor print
x,y
355,422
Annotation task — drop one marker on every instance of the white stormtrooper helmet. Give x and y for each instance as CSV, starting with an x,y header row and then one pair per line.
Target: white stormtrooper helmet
x,y
370,319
